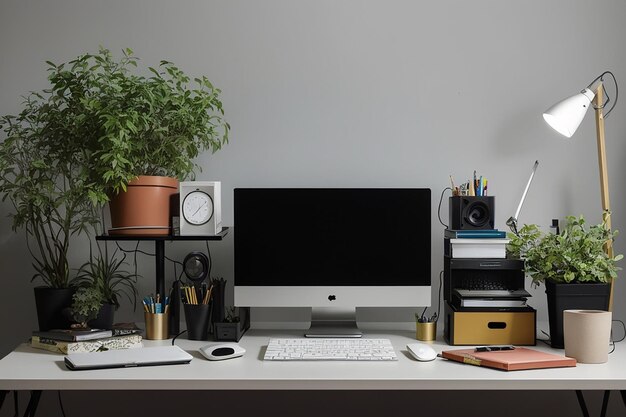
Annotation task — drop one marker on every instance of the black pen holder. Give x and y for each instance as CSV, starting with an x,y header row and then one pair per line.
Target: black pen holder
x,y
197,317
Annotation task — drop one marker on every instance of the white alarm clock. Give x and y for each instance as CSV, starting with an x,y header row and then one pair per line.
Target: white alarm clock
x,y
200,208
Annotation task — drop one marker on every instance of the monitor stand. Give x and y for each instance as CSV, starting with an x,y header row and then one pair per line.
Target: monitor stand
x,y
333,322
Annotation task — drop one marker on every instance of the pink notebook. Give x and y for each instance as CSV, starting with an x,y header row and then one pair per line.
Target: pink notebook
x,y
510,360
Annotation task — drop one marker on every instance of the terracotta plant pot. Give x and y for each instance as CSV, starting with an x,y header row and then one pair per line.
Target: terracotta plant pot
x,y
144,209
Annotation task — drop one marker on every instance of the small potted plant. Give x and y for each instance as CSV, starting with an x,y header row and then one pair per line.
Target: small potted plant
x,y
105,275
573,265
234,325
144,132
86,303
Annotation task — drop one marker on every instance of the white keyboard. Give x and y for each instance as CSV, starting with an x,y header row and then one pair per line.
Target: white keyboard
x,y
326,349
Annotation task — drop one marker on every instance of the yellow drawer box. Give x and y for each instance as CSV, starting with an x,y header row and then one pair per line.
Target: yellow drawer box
x,y
490,327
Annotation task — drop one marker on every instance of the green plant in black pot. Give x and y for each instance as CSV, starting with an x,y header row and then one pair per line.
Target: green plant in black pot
x,y
106,275
231,315
573,265
86,303
45,181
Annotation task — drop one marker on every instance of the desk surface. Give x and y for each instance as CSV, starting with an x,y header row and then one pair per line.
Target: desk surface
x,y
27,369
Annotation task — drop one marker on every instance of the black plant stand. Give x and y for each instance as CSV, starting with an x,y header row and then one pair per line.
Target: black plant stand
x,y
159,252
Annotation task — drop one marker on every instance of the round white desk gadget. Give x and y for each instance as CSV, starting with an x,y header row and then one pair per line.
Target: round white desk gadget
x,y
221,351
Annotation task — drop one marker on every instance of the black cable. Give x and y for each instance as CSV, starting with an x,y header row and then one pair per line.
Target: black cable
x,y
61,403
624,326
174,338
16,406
434,318
439,296
547,342
613,342
439,207
210,259
136,250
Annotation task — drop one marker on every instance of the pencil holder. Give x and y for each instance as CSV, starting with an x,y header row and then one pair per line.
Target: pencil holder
x,y
426,331
156,326
197,317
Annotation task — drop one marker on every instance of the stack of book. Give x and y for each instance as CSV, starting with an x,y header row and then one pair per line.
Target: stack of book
x,y
80,341
490,243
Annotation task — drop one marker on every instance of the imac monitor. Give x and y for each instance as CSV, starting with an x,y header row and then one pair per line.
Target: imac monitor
x,y
332,249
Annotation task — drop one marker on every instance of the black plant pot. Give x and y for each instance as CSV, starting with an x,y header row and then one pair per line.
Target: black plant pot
x,y
104,319
50,303
573,296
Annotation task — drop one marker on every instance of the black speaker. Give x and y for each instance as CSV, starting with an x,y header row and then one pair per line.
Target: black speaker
x,y
472,213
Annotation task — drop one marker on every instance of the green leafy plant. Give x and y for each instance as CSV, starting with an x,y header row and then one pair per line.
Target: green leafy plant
x,y
575,255
97,127
106,275
43,175
86,303
231,315
136,125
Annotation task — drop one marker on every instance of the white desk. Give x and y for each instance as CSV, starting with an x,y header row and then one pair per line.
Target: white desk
x,y
31,369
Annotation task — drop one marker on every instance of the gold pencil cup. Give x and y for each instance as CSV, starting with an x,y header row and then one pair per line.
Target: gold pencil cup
x,y
156,326
426,332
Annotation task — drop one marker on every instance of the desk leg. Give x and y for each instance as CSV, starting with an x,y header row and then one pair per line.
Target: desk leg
x,y
605,403
33,403
581,402
3,395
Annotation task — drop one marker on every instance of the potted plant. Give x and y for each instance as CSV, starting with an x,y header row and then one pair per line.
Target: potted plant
x,y
145,132
43,177
234,325
86,303
103,274
573,265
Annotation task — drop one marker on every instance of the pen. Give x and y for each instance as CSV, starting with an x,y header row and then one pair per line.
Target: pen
x,y
493,348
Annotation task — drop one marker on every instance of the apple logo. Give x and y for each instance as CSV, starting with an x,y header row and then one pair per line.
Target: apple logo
x,y
331,298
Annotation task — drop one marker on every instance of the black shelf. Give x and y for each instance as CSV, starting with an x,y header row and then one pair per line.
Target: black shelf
x,y
159,255
170,238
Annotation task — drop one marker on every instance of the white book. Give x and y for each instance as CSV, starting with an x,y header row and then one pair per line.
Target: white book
x,y
479,248
485,302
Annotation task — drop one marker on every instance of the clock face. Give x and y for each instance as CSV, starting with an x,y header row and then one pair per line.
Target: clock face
x,y
197,207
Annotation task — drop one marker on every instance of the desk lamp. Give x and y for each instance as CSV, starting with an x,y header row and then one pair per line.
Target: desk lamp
x,y
565,117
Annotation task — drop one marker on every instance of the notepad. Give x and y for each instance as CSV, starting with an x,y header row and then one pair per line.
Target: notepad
x,y
150,356
510,360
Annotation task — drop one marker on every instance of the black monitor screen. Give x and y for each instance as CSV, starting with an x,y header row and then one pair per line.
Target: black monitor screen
x,y
332,236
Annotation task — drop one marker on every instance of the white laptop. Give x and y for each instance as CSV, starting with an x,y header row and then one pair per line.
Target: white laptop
x,y
126,358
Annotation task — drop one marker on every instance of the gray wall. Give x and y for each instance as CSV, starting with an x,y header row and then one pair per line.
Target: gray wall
x,y
353,93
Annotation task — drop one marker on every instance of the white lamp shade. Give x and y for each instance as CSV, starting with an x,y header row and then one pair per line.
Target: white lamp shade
x,y
566,115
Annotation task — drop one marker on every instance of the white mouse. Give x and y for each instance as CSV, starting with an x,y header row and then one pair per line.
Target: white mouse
x,y
421,352
221,351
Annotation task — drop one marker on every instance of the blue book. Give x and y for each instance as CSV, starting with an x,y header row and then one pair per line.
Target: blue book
x,y
475,234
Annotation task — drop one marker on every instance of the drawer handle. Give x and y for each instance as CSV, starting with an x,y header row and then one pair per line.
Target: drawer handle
x,y
496,325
